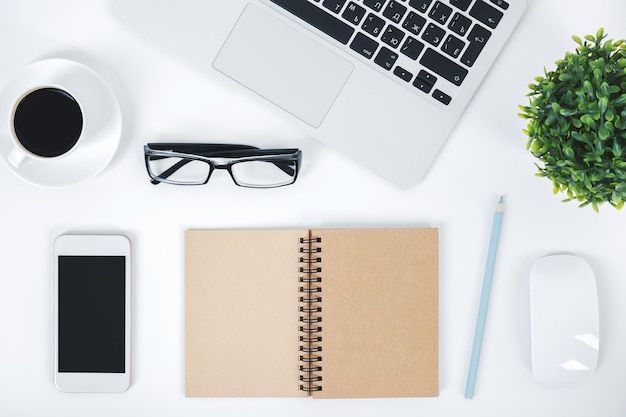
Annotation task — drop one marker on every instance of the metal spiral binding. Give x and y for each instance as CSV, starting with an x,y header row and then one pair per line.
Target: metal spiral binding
x,y
310,330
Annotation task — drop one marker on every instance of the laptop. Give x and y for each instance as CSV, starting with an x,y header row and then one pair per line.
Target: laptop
x,y
381,81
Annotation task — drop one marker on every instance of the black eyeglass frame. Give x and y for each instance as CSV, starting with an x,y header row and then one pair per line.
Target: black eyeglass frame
x,y
220,156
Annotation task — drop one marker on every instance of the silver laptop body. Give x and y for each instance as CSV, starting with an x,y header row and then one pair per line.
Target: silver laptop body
x,y
381,81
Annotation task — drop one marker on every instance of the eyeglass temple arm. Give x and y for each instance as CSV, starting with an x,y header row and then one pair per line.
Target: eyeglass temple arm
x,y
201,148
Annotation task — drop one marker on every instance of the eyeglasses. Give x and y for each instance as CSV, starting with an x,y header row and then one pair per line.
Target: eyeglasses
x,y
248,166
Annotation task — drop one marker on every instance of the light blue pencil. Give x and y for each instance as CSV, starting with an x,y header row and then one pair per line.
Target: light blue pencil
x,y
484,298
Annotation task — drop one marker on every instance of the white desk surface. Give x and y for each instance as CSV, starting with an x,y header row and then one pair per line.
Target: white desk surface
x,y
164,99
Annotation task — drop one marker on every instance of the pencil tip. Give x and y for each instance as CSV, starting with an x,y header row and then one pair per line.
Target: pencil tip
x,y
501,200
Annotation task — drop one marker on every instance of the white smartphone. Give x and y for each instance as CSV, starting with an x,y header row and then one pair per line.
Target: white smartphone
x,y
92,306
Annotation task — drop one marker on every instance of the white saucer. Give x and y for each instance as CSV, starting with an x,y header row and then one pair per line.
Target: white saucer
x,y
101,132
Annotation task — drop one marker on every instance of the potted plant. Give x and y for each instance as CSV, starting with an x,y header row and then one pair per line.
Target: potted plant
x,y
577,122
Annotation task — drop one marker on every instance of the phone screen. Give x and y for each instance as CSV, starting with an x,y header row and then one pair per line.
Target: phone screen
x,y
91,314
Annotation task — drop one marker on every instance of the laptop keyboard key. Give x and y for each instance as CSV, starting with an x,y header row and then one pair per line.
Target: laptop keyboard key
x,y
414,23
433,34
453,46
373,25
386,58
477,37
354,13
487,14
422,85
364,45
392,36
412,48
443,66
313,15
427,77
460,24
442,97
440,13
402,73
334,5
394,11
420,5
376,5
461,4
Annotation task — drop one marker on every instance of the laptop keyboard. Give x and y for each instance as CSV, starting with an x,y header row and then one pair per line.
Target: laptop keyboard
x,y
421,43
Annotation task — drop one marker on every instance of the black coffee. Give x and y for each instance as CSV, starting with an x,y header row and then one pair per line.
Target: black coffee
x,y
48,122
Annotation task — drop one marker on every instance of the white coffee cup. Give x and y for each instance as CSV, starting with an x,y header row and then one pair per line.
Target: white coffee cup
x,y
98,139
47,122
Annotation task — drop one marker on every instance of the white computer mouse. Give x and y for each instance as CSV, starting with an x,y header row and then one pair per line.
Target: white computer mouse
x,y
564,320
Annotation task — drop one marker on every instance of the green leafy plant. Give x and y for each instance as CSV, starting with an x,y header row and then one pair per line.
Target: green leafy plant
x,y
577,122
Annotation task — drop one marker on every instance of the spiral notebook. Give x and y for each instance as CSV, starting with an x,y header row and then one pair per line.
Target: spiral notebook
x,y
311,313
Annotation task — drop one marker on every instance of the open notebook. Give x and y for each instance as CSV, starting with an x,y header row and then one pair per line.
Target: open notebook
x,y
322,313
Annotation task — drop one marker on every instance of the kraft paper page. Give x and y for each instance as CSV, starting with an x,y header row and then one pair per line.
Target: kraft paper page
x,y
241,313
380,313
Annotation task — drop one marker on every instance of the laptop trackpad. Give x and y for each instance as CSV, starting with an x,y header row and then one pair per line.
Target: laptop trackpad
x,y
283,65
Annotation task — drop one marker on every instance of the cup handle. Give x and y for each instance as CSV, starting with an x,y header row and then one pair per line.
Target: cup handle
x,y
16,157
